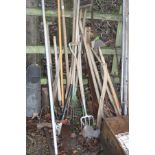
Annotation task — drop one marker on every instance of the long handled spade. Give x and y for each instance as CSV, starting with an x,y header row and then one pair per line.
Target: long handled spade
x,y
49,79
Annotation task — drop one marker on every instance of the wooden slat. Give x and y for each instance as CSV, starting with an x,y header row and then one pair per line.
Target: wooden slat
x,y
44,81
41,50
53,13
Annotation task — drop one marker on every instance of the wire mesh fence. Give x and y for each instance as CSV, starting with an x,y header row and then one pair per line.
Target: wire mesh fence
x,y
107,6
52,4
105,30
102,6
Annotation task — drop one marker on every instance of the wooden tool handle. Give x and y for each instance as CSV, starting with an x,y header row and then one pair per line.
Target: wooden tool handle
x,y
116,101
100,114
60,47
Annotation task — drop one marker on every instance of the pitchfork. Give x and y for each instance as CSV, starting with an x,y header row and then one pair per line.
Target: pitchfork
x,y
86,119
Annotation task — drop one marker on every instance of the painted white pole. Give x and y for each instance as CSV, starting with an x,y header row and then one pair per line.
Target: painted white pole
x,y
124,72
49,78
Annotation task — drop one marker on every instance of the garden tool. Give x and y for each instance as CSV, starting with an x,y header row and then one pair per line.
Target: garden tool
x,y
71,70
89,61
91,69
75,43
81,26
103,88
99,81
98,77
60,48
112,94
49,78
115,98
110,88
65,41
58,77
56,80
75,37
100,114
68,96
67,101
86,119
73,79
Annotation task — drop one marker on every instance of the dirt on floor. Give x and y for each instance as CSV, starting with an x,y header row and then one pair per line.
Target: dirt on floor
x,y
70,142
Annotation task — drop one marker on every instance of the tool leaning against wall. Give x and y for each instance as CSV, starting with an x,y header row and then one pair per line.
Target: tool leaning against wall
x,y
49,78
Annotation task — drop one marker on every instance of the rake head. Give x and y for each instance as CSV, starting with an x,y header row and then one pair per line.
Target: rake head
x,y
87,120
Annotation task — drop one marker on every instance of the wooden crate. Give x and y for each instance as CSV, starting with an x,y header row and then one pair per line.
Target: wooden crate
x,y
111,127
